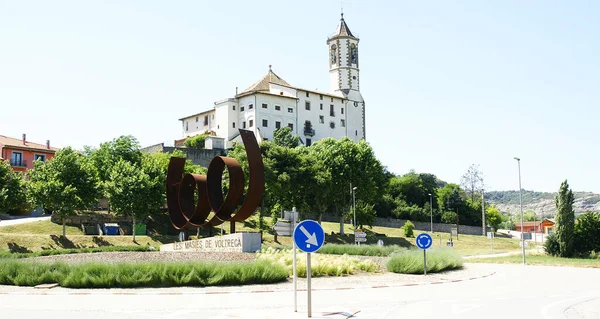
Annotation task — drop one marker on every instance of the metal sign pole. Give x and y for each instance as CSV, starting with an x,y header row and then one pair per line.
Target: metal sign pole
x,y
308,284
425,261
295,271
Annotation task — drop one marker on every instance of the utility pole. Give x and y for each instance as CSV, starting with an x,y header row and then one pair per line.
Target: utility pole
x,y
483,213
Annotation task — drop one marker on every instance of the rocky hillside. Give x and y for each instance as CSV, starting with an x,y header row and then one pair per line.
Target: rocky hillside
x,y
541,203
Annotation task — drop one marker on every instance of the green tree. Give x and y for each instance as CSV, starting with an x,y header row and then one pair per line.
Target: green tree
x,y
196,142
450,198
125,148
472,181
587,234
12,189
565,220
349,163
365,214
283,137
65,184
132,192
494,218
529,216
408,229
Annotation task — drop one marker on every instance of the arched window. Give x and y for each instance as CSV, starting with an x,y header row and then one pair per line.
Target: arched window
x,y
354,54
333,54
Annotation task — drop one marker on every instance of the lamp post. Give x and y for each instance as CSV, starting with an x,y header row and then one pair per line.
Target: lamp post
x,y
431,208
521,204
354,207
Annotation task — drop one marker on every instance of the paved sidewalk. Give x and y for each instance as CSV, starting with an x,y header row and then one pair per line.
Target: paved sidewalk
x,y
16,220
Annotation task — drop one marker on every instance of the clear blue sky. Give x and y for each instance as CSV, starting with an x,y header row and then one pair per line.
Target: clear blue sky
x,y
447,83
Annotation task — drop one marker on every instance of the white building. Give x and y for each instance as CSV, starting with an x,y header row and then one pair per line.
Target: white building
x,y
272,103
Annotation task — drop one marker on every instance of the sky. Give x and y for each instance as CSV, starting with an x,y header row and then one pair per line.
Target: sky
x,y
447,84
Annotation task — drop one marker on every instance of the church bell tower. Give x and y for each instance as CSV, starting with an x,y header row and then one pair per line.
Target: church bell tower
x,y
343,59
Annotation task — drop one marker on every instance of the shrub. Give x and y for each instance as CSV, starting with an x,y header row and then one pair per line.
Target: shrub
x,y
411,261
408,229
551,246
587,234
362,250
196,141
130,275
321,265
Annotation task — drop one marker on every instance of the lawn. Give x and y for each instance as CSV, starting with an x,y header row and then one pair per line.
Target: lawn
x,y
542,260
42,235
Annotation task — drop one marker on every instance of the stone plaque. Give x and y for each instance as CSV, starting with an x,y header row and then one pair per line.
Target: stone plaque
x,y
238,242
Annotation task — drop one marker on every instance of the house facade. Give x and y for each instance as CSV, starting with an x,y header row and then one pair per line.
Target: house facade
x,y
545,226
272,103
22,154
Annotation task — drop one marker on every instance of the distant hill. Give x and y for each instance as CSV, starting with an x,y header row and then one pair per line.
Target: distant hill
x,y
540,202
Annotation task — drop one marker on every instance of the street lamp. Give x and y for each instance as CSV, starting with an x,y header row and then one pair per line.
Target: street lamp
x,y
521,204
431,208
354,207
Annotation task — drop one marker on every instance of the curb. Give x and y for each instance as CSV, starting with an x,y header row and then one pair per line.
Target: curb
x,y
73,292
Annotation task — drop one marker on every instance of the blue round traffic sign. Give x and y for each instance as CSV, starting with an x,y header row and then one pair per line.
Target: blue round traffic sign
x,y
424,241
309,236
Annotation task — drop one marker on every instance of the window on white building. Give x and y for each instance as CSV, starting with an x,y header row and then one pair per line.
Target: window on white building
x,y
331,110
331,100
277,108
355,104
242,108
186,126
277,125
321,106
307,105
206,120
321,96
290,125
332,124
251,123
196,119
342,110
233,107
233,124
265,123
290,110
308,142
356,132
321,119
244,124
307,94
264,105
250,106
343,123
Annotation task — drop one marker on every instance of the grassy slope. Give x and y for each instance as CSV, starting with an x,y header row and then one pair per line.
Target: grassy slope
x,y
42,235
543,260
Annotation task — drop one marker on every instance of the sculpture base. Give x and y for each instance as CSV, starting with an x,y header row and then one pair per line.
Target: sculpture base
x,y
238,242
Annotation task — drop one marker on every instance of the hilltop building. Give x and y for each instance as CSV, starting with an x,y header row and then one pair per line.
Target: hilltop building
x,y
272,103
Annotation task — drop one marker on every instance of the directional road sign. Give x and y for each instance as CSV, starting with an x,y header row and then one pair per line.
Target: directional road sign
x,y
359,234
424,241
360,240
283,228
309,236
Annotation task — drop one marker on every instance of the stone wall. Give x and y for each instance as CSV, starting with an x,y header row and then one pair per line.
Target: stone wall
x,y
93,218
425,226
437,227
200,157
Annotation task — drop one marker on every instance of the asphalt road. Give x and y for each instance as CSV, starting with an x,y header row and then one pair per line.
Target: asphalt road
x,y
514,291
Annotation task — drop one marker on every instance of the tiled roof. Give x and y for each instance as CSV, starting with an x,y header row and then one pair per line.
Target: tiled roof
x,y
9,142
198,114
263,84
343,30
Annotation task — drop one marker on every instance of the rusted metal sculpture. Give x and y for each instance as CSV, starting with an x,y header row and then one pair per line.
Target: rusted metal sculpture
x,y
185,212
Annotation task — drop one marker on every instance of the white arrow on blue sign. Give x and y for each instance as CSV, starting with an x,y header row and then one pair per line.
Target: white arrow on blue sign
x,y
424,241
309,236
